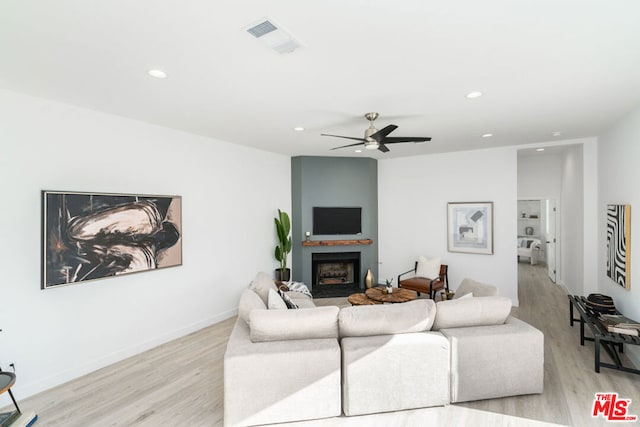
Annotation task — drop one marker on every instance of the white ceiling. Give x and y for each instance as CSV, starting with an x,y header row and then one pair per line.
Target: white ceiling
x,y
543,66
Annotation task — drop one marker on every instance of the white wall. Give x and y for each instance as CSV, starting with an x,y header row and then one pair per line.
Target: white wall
x,y
412,215
619,175
571,221
230,195
539,176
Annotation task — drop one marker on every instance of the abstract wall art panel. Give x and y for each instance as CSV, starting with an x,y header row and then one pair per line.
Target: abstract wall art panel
x,y
470,227
88,236
619,244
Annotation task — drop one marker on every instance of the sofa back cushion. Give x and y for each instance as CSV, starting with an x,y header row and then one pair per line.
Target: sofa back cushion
x,y
465,312
468,286
261,285
387,319
305,323
249,300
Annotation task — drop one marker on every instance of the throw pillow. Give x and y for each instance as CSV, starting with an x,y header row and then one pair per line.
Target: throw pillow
x,y
469,295
288,301
428,268
275,302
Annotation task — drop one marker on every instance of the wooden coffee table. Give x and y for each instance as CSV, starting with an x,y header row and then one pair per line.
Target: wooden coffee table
x,y
398,295
361,299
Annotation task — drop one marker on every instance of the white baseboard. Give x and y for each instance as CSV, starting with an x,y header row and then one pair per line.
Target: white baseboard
x,y
29,389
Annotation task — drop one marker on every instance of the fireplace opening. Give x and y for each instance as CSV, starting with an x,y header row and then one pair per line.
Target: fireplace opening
x,y
339,268
335,273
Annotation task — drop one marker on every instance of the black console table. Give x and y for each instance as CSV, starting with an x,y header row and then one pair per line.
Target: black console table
x,y
612,342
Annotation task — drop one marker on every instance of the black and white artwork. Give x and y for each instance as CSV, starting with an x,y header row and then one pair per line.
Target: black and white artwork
x,y
470,227
619,244
89,236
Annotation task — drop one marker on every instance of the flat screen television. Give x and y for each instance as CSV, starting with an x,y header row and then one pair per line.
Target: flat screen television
x,y
337,220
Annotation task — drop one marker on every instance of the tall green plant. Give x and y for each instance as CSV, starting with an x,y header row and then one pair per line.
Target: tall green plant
x,y
283,228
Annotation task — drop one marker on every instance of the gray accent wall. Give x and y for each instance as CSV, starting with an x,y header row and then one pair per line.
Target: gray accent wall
x,y
333,182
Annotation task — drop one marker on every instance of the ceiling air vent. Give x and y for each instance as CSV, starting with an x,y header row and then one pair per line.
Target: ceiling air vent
x,y
273,36
261,29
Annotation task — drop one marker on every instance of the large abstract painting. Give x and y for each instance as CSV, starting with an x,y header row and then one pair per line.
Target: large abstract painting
x,y
619,244
470,227
89,236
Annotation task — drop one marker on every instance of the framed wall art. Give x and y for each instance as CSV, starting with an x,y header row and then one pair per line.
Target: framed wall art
x,y
88,236
619,244
470,227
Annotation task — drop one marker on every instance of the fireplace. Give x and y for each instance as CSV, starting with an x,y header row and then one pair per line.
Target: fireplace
x,y
336,273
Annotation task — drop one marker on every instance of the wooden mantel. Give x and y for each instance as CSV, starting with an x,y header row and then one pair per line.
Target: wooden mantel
x,y
337,242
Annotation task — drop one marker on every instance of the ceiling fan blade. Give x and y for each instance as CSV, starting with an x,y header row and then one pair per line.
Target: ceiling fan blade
x,y
397,139
382,133
383,147
346,137
350,145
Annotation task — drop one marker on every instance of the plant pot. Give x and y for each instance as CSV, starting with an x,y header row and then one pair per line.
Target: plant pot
x,y
389,289
283,275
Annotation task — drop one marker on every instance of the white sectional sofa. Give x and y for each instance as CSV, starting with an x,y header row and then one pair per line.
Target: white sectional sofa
x,y
316,362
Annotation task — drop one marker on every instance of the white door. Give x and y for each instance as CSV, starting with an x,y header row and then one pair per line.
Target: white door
x,y
550,237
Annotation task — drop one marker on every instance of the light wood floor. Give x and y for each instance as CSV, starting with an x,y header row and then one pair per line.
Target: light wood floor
x,y
180,383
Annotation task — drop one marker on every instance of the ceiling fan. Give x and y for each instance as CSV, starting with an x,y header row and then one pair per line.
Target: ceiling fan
x,y
379,139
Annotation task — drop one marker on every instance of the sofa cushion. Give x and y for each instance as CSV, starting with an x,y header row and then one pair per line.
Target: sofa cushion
x,y
306,323
249,301
261,285
387,319
495,361
300,299
429,268
275,301
481,311
476,288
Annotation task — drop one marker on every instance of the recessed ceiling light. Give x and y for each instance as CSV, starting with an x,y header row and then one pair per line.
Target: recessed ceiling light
x,y
358,151
487,135
298,128
557,133
158,74
475,94
539,149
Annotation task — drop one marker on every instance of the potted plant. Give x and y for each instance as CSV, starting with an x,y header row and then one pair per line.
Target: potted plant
x,y
283,228
389,287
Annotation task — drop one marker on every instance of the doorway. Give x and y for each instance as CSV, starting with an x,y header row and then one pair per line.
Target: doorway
x,y
537,228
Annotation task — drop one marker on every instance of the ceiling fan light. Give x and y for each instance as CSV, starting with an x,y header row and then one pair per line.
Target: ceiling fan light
x,y
371,145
